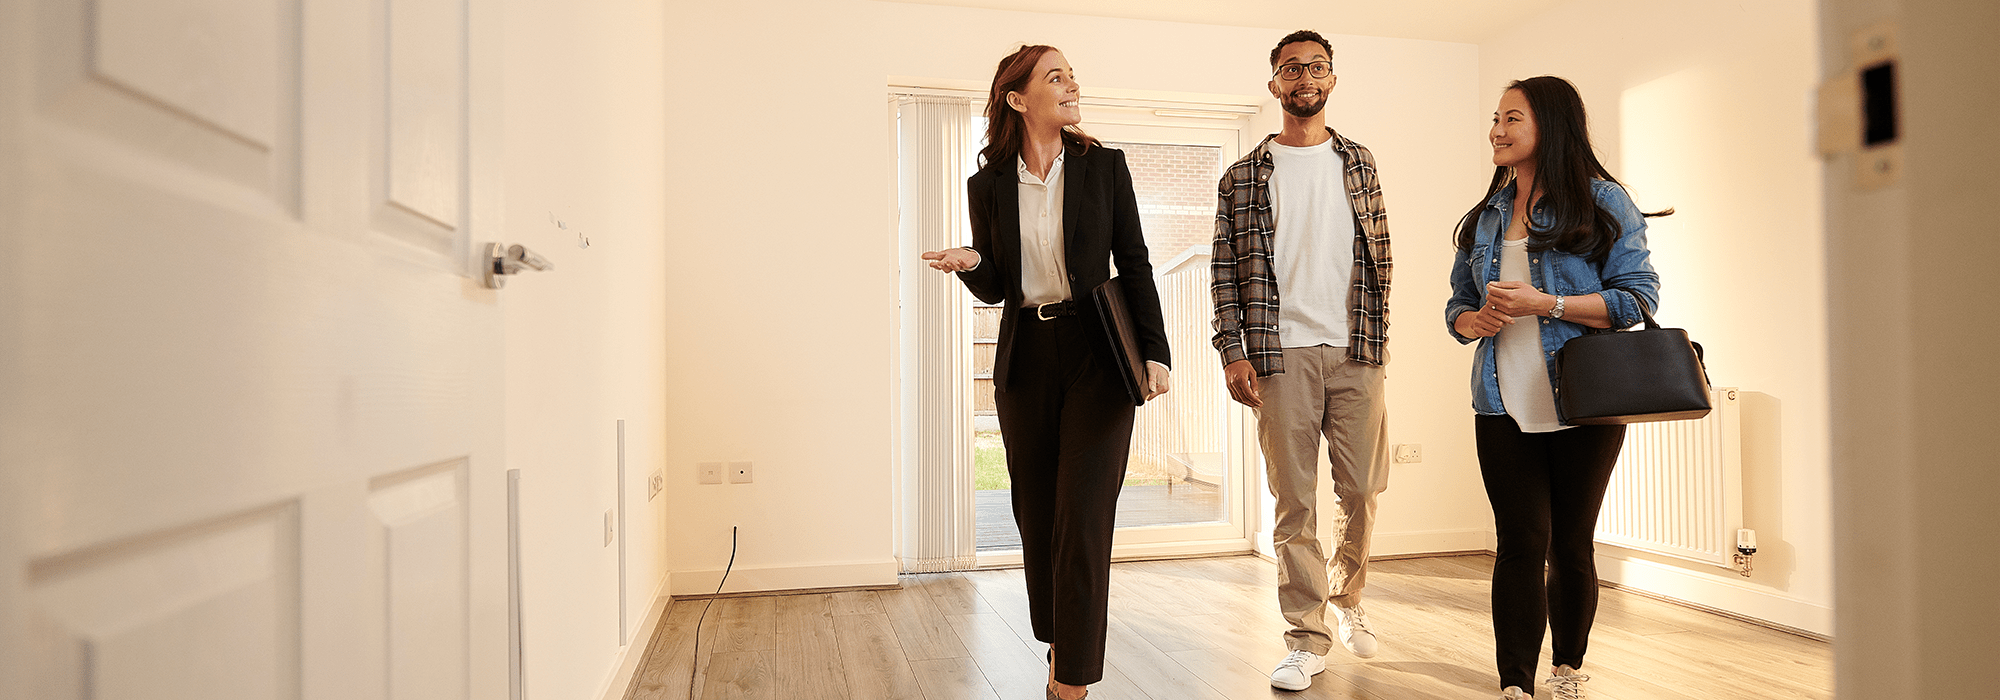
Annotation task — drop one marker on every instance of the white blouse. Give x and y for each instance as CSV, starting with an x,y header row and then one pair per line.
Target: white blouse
x,y
1044,273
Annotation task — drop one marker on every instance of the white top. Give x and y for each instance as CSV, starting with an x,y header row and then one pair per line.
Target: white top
x,y
1313,238
1044,273
1522,364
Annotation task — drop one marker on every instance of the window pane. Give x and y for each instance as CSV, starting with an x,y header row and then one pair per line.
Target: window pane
x,y
1176,190
1178,467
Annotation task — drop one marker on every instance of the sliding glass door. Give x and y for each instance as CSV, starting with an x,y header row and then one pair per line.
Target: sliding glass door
x,y
1185,490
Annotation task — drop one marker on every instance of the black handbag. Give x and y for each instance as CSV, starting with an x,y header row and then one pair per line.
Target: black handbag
x,y
1607,377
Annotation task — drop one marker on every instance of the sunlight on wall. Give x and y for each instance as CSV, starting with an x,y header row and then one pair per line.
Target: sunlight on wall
x,y
1667,131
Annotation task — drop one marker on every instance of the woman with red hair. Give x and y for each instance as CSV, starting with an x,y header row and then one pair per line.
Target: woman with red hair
x,y
1052,211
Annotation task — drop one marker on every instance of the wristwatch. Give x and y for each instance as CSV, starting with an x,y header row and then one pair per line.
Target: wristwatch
x,y
1557,312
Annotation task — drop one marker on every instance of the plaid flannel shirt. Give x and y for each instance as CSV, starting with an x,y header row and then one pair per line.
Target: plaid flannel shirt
x,y
1246,289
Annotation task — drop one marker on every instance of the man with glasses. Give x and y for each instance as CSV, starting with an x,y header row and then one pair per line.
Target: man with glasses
x,y
1301,311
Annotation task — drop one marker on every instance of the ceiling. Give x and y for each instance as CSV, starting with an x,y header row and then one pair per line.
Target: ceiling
x,y
1466,21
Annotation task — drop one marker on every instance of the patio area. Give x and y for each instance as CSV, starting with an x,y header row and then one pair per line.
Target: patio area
x,y
1138,506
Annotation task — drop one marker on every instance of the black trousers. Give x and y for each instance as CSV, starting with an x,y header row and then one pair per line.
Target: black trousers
x,y
1067,424
1546,490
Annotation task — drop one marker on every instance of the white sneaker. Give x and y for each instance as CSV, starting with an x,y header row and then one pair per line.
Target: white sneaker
x,y
1354,632
1513,692
1566,684
1297,670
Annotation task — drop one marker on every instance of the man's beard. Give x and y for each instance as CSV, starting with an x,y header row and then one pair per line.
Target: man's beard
x,y
1303,111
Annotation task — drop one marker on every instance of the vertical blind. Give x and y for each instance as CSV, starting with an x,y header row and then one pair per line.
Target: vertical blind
x,y
937,519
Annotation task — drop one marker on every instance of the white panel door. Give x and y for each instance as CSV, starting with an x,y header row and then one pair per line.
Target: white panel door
x,y
249,378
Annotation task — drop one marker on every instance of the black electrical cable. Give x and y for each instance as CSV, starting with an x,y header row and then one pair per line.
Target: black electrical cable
x,y
694,664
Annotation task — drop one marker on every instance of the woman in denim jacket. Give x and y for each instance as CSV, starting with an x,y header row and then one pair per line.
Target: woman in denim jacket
x,y
1522,286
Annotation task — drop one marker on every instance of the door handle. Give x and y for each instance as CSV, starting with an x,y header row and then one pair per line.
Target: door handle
x,y
507,260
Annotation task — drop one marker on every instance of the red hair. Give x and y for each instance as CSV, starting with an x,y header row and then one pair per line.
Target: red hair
x,y
1005,127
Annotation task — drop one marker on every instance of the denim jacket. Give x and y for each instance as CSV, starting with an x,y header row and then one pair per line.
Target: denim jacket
x,y
1625,277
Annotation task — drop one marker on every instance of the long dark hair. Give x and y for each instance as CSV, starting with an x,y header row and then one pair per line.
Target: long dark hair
x,y
1564,166
1006,128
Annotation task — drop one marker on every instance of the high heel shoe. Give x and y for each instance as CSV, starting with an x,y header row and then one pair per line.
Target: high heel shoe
x,y
1050,689
1052,693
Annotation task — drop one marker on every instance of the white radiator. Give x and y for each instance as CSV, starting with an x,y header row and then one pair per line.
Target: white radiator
x,y
1678,487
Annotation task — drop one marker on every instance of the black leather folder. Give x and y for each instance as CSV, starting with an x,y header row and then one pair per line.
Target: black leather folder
x,y
1116,317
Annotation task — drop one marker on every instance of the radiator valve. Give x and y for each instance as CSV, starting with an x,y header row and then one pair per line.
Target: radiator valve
x,y
1746,547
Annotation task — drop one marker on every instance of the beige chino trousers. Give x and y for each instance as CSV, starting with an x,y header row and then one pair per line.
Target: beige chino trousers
x,y
1322,393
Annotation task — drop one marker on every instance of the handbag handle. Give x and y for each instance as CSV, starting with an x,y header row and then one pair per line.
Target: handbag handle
x,y
1651,325
1644,312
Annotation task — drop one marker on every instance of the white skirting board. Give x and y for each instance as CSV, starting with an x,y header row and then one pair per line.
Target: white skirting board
x,y
1718,592
880,572
1388,544
632,654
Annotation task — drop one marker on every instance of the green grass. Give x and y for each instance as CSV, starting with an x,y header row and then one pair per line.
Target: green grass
x,y
989,462
989,465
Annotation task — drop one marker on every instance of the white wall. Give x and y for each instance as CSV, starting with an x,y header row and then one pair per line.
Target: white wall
x,y
1703,106
586,342
780,287
782,298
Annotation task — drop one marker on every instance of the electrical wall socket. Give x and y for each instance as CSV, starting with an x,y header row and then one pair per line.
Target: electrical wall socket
x,y
708,472
655,483
610,526
739,472
1409,454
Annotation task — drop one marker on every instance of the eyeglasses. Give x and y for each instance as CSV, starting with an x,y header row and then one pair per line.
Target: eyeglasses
x,y
1291,71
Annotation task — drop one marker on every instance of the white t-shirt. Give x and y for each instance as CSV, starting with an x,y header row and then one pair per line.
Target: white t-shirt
x,y
1313,238
1522,364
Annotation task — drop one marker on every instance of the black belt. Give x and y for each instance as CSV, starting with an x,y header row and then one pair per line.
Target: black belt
x,y
1049,311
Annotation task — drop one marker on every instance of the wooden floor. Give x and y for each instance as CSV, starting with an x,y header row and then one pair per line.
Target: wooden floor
x,y
1201,629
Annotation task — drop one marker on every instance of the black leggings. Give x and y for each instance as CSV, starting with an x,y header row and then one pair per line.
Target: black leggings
x,y
1546,489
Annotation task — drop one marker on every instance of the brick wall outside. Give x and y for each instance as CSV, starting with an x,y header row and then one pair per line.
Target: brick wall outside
x,y
1176,190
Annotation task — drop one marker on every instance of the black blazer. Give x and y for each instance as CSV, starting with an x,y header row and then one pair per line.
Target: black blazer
x,y
1100,225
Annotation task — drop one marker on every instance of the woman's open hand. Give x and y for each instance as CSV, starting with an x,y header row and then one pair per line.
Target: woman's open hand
x,y
952,259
